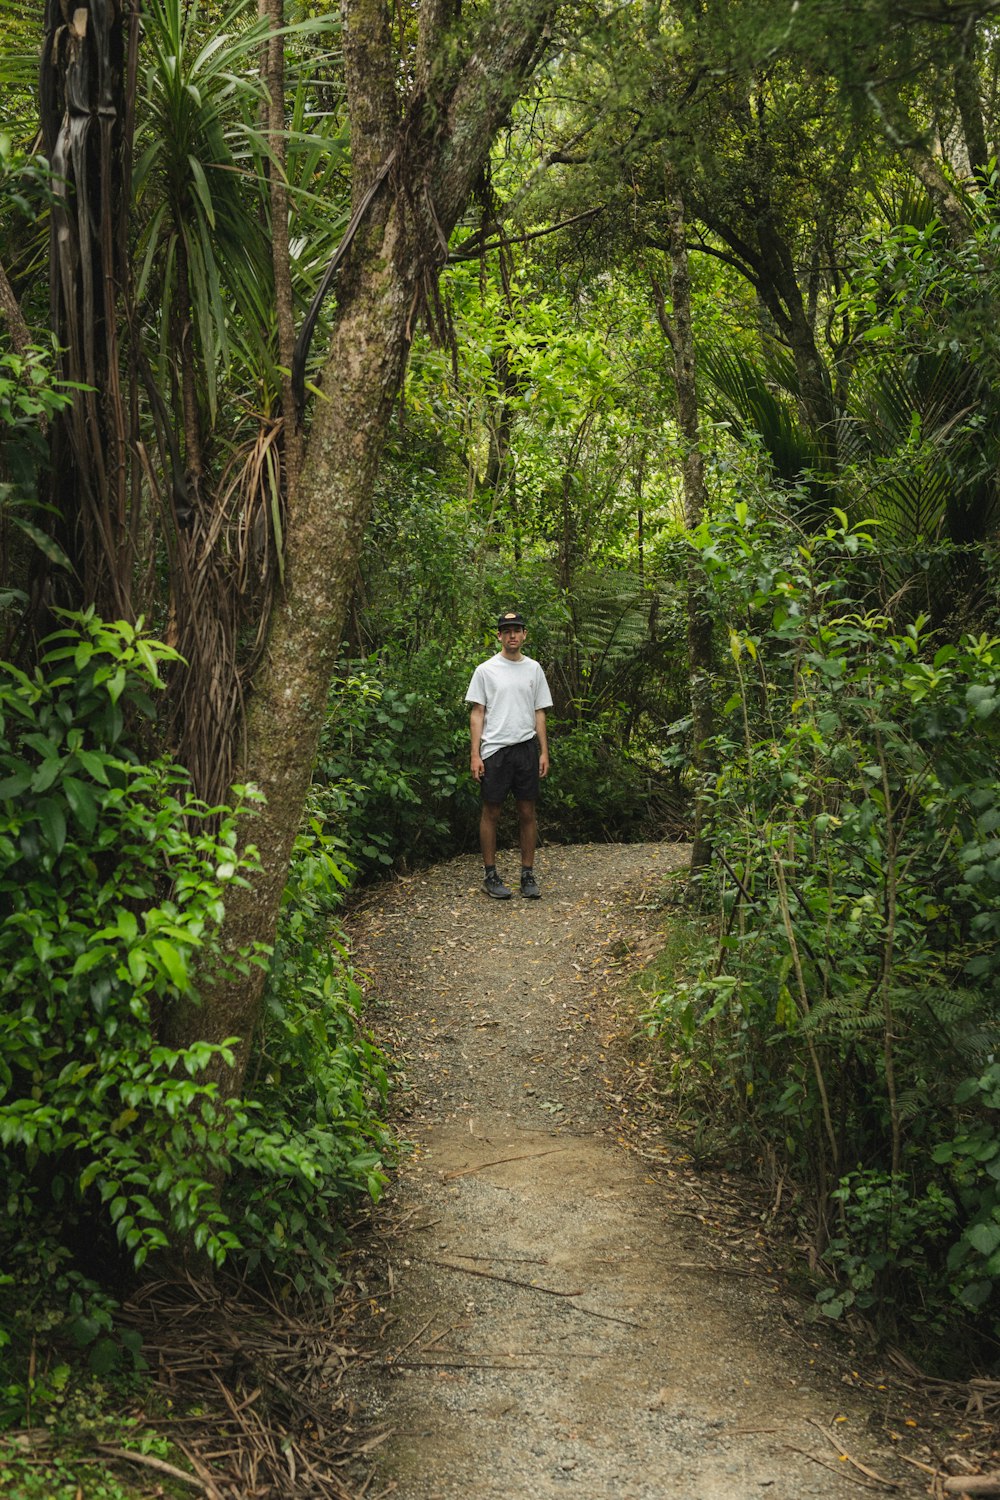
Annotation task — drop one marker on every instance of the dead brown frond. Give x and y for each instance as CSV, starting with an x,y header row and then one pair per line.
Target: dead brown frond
x,y
252,1391
87,85
224,572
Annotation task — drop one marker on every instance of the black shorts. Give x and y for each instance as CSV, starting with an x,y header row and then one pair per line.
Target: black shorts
x,y
512,768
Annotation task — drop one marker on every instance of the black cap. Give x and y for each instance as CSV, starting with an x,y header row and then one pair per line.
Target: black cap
x,y
510,617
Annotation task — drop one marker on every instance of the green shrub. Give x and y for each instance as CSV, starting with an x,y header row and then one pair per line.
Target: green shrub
x,y
595,790
114,1146
971,1159
852,999
887,1243
112,880
394,768
394,762
318,1084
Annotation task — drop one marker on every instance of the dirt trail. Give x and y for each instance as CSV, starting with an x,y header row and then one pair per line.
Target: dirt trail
x,y
560,1323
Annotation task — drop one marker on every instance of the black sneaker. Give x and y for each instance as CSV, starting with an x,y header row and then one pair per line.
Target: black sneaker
x,y
529,885
494,886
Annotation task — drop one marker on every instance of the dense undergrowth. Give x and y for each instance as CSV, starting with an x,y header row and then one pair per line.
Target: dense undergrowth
x,y
118,1155
841,1029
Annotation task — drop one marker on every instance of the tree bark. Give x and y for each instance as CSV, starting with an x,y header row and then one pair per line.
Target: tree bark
x,y
500,480
766,259
280,256
968,97
927,168
10,312
441,136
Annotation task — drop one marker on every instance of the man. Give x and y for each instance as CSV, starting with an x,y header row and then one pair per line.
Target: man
x,y
508,696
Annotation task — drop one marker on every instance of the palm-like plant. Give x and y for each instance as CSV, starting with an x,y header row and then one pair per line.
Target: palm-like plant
x,y
168,479
758,400
206,289
200,188
203,251
919,438
915,450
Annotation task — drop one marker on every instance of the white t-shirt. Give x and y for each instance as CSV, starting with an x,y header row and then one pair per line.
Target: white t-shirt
x,y
510,691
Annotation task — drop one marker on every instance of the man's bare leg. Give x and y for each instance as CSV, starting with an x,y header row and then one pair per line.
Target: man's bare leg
x,y
527,828
489,817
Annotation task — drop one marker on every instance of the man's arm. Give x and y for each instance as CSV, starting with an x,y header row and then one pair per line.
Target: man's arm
x,y
543,742
477,715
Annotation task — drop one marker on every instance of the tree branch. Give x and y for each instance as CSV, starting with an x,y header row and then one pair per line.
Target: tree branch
x,y
705,249
908,143
433,22
280,257
474,246
501,52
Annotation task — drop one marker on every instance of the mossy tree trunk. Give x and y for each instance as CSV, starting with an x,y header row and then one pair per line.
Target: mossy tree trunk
x,y
467,75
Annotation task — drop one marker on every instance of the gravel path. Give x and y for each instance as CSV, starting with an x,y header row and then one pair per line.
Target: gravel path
x,y
559,1318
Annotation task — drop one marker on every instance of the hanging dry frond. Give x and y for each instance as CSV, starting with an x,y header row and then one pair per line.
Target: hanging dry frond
x,y
225,573
87,82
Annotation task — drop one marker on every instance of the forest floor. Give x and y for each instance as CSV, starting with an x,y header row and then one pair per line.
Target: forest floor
x,y
563,1305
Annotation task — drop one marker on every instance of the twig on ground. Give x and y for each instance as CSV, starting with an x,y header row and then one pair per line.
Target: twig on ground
x,y
656,1160
530,1286
605,1317
892,1484
419,1334
502,1161
148,1461
443,1334
508,1260
916,1464
454,1364
208,1483
375,1442
864,1483
717,1270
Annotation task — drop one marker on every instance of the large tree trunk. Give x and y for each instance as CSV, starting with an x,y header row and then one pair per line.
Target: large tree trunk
x,y
280,252
441,139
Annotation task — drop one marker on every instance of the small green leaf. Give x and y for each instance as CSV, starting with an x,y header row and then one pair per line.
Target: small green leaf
x,y
94,764
44,543
172,961
13,786
53,821
47,773
82,802
984,1237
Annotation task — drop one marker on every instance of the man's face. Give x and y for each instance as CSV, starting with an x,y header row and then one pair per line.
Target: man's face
x,y
511,638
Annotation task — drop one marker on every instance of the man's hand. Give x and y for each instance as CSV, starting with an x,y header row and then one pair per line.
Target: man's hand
x,y
478,767
543,763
